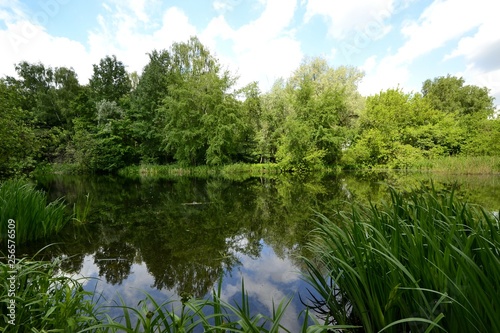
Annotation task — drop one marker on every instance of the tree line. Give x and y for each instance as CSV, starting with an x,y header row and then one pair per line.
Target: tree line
x,y
185,108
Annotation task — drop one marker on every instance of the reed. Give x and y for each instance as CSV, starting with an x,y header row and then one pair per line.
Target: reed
x,y
29,208
45,301
421,262
81,209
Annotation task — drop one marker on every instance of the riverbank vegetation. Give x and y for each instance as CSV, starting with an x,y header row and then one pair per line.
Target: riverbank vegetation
x,y
423,260
44,300
185,109
461,165
35,217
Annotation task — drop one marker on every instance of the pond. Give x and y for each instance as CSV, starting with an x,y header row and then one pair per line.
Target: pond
x,y
180,236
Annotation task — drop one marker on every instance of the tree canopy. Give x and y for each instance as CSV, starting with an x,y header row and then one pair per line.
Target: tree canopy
x,y
185,108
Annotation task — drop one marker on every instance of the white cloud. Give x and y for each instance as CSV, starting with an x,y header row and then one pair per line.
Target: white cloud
x,y
225,5
117,33
386,74
369,64
138,7
276,280
353,17
480,78
261,50
431,32
25,41
121,37
481,51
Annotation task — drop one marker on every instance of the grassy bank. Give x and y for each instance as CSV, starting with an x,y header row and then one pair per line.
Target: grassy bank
x,y
456,165
461,165
422,261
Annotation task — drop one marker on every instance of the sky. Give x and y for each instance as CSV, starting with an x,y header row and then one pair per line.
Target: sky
x,y
397,43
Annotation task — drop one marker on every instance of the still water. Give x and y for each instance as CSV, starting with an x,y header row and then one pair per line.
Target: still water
x,y
176,237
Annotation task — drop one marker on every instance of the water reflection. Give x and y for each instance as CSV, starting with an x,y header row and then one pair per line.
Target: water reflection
x,y
173,237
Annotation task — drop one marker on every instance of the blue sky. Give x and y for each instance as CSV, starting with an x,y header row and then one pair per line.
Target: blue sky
x,y
395,42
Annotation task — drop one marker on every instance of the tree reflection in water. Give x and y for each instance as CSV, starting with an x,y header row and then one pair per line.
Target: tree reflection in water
x,y
188,232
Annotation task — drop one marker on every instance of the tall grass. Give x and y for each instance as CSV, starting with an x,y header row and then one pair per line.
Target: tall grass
x,y
28,207
44,300
463,165
421,262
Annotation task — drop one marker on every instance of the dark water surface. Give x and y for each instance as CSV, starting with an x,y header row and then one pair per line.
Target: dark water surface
x,y
176,237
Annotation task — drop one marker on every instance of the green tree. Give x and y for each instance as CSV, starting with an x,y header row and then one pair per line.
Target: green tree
x,y
251,113
450,94
203,122
397,129
471,104
321,105
275,110
51,95
106,147
148,122
109,80
18,147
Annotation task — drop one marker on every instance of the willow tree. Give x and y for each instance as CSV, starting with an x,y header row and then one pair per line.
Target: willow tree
x,y
319,104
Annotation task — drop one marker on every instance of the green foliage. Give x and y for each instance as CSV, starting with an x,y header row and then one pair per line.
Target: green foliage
x,y
28,207
183,108
422,261
105,148
462,165
146,99
297,151
397,130
311,115
18,148
486,142
44,300
51,98
450,95
50,93
275,110
109,80
202,117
